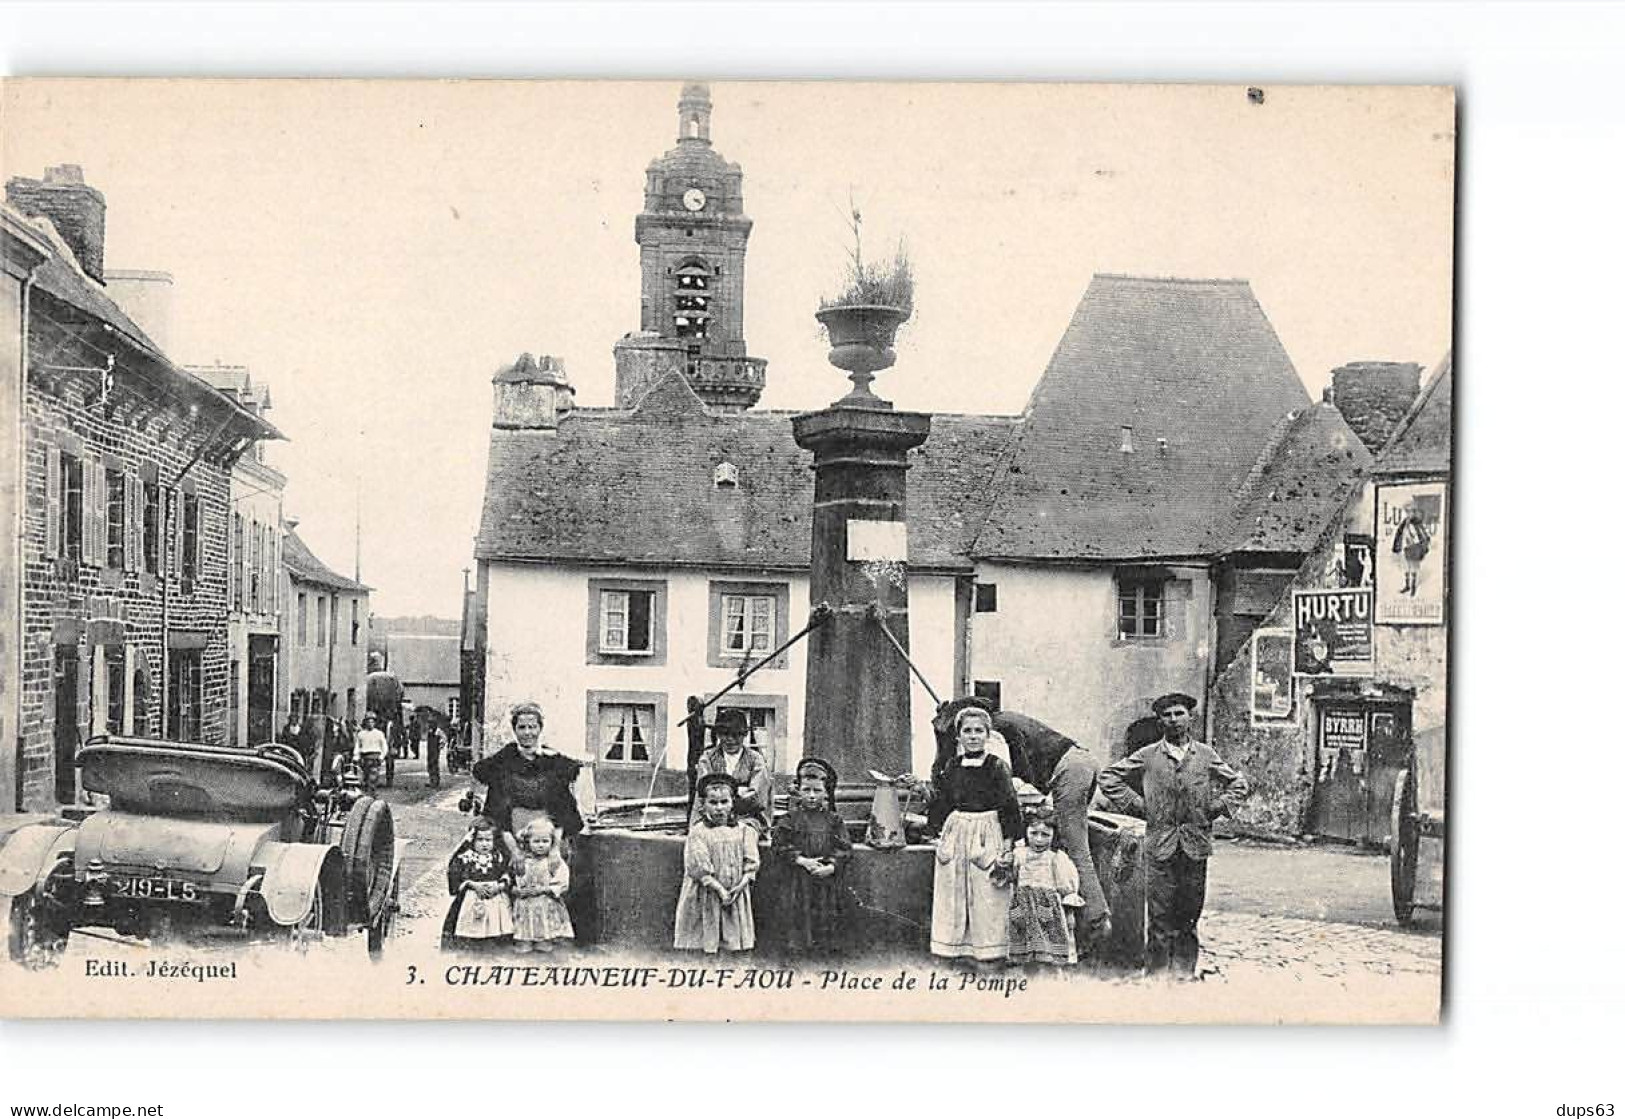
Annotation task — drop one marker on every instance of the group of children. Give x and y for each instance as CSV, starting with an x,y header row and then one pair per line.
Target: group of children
x,y
500,898
497,898
1034,885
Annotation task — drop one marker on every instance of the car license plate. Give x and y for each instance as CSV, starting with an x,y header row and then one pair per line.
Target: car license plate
x,y
153,889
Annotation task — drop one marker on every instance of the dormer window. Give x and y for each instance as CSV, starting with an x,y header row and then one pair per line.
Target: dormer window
x,y
1127,446
726,476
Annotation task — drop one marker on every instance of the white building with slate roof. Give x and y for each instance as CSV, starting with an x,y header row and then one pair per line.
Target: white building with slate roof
x,y
1074,561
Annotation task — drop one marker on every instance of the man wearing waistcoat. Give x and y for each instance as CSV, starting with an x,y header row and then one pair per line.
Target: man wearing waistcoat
x,y
1178,786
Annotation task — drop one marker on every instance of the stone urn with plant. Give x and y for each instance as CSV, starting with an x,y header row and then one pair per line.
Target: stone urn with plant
x,y
861,321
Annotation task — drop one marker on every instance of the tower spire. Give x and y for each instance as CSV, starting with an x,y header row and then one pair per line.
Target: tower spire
x,y
694,113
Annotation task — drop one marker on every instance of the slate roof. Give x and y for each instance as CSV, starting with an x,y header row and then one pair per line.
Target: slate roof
x,y
636,486
1421,442
1250,464
303,565
62,281
417,658
1194,362
1311,465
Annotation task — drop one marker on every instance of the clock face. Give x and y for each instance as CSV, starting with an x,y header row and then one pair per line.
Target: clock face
x,y
694,199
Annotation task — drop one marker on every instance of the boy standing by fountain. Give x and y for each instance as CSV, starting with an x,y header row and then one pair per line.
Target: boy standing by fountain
x,y
731,757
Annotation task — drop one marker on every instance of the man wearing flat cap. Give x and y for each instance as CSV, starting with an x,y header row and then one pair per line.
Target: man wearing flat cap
x,y
1178,786
753,782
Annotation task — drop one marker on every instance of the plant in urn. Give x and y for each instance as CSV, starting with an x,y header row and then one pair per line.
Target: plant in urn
x,y
861,322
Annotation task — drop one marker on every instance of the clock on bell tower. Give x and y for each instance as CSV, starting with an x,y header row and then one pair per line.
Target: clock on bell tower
x,y
691,238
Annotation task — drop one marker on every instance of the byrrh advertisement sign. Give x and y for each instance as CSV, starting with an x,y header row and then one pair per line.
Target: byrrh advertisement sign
x,y
1411,554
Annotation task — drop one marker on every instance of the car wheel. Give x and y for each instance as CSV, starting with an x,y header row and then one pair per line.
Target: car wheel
x,y
30,938
378,932
368,847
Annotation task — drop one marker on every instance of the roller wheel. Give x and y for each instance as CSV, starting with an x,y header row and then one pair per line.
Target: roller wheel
x,y
368,847
1404,841
30,938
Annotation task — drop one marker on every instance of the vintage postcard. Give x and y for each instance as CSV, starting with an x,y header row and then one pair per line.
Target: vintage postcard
x,y
725,550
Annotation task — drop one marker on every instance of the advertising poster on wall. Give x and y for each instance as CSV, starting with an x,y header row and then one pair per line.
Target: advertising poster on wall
x,y
1411,554
1332,632
1272,676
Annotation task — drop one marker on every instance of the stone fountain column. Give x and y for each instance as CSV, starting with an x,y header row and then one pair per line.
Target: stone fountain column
x,y
857,705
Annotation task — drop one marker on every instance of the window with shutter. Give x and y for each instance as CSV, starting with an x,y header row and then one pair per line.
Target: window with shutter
x,y
191,516
115,519
53,503
90,549
132,522
73,508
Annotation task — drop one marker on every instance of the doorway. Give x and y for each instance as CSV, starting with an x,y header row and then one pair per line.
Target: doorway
x,y
261,690
1362,745
65,681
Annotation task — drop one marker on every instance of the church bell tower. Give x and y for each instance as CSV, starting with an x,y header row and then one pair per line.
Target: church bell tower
x,y
691,238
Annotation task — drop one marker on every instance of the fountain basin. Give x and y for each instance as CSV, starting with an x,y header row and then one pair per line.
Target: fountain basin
x,y
627,882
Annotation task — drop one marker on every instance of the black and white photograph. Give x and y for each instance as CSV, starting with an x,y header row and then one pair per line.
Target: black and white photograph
x,y
697,549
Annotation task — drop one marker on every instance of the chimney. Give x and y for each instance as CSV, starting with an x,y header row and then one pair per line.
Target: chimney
x,y
531,394
79,212
1374,396
146,297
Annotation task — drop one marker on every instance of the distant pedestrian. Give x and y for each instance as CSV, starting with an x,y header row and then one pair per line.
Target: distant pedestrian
x,y
294,735
370,748
1178,786
437,740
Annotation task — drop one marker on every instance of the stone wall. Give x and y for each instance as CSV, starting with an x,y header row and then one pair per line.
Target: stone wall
x,y
95,606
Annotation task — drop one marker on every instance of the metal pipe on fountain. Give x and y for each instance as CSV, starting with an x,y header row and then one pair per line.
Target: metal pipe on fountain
x,y
821,613
878,613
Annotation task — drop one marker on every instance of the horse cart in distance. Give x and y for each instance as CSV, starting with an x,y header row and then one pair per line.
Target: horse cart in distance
x,y
1416,830
201,842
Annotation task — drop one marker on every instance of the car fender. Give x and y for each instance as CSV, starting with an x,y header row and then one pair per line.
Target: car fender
x,y
29,854
293,871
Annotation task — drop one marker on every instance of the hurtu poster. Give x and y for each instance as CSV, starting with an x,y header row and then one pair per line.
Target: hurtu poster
x,y
1272,676
1411,554
1331,632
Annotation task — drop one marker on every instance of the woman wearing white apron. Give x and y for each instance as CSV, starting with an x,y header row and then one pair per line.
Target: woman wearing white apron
x,y
977,817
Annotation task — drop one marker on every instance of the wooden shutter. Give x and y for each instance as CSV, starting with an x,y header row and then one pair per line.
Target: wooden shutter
x,y
132,522
138,524
53,502
90,494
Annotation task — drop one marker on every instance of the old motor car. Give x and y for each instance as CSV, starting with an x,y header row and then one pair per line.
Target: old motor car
x,y
202,841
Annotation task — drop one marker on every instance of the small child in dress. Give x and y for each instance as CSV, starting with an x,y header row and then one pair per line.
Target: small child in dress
x,y
812,837
1046,890
478,876
719,864
541,879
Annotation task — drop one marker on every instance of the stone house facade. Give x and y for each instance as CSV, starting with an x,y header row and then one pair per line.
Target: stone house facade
x,y
126,495
1327,766
326,625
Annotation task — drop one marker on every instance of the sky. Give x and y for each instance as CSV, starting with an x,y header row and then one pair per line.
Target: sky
x,y
375,250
